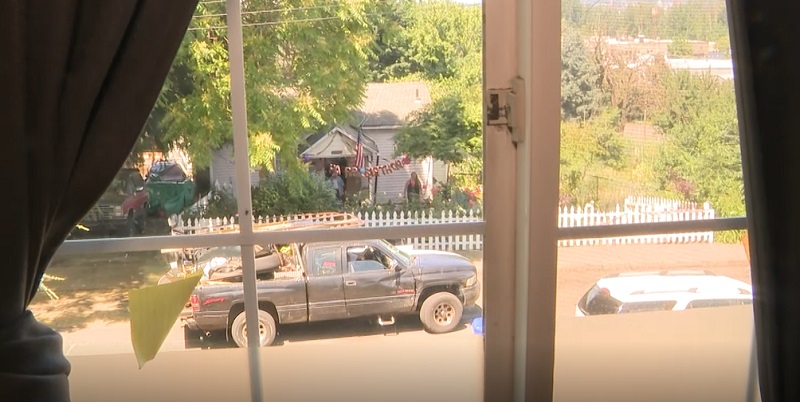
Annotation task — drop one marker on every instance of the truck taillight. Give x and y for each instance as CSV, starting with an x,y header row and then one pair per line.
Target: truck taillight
x,y
195,300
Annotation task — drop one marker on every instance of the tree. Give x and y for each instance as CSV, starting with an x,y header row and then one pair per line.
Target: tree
x,y
441,34
701,159
440,130
305,66
632,85
445,49
589,147
389,58
580,97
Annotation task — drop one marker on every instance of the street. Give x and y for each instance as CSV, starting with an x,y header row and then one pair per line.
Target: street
x,y
578,268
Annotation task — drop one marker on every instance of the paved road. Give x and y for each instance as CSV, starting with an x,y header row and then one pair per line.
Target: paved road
x,y
578,268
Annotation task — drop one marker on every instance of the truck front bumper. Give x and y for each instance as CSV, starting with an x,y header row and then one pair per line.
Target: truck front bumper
x,y
471,293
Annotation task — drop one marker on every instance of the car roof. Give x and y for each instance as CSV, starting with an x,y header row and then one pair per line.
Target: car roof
x,y
673,285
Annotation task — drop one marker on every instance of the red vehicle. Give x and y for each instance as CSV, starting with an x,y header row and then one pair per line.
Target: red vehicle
x,y
122,210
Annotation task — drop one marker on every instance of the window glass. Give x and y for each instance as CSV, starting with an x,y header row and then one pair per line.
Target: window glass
x,y
647,279
648,110
367,258
325,263
718,303
637,307
328,83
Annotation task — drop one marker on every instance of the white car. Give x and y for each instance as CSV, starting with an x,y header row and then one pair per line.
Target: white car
x,y
667,290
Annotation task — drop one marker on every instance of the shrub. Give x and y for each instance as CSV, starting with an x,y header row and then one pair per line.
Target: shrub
x,y
279,193
219,203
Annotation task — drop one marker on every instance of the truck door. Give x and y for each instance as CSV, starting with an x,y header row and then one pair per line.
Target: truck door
x,y
325,284
372,284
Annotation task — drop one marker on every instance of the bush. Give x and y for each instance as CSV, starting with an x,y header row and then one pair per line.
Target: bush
x,y
445,198
220,203
280,193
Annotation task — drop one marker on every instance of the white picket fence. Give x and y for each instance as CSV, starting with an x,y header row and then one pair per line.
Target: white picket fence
x,y
634,210
636,213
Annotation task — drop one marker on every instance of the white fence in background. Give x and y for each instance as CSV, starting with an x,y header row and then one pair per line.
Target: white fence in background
x,y
634,210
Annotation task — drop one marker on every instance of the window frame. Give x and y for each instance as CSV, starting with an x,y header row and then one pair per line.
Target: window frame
x,y
513,31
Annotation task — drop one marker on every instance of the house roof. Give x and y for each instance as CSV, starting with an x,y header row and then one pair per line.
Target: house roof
x,y
390,104
338,142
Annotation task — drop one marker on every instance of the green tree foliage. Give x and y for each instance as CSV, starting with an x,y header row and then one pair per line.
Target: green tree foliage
x,y
580,96
441,35
305,66
445,49
441,130
389,59
588,147
701,160
278,193
692,20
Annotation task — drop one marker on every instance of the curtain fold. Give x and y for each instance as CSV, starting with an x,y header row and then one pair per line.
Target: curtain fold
x,y
77,82
765,39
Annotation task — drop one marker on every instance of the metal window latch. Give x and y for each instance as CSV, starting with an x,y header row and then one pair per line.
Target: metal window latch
x,y
506,107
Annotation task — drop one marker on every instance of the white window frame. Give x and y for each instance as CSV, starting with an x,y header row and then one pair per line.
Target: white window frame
x,y
520,206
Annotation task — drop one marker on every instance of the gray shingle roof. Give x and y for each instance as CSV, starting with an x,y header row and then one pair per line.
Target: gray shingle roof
x,y
390,104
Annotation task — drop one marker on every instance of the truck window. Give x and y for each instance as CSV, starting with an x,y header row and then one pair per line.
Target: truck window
x,y
366,258
325,262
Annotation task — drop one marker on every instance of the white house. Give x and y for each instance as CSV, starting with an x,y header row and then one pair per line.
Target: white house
x,y
386,108
223,169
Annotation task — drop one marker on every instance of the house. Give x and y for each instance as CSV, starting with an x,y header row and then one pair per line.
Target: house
x,y
222,170
385,110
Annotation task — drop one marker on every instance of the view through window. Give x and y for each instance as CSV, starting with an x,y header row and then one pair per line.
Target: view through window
x,y
649,134
361,114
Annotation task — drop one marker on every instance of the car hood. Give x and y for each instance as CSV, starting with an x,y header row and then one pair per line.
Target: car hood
x,y
429,261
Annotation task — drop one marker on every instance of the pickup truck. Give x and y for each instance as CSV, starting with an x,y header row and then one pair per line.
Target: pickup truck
x,y
302,283
122,209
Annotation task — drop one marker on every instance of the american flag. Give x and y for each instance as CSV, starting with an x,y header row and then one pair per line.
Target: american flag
x,y
359,160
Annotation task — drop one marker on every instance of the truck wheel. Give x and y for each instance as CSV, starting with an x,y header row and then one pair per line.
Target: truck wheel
x,y
441,312
130,226
266,329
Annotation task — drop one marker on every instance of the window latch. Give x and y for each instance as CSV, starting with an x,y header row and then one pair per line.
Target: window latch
x,y
506,107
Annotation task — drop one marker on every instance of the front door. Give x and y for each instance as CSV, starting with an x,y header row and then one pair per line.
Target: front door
x,y
326,298
373,286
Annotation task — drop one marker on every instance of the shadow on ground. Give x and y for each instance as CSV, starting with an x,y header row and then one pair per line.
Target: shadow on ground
x,y
95,287
328,330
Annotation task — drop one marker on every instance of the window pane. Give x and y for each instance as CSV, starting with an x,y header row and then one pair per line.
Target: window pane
x,y
331,86
649,125
85,297
618,356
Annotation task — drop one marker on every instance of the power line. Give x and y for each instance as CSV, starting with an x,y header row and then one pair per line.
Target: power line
x,y
267,11
253,24
275,10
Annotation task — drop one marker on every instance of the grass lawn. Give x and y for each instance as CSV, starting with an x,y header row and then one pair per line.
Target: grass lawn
x,y
95,287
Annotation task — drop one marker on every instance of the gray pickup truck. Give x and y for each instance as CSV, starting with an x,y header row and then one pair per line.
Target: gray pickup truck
x,y
301,283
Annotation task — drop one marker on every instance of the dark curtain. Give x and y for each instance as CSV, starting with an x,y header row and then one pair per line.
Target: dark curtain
x,y
765,38
77,82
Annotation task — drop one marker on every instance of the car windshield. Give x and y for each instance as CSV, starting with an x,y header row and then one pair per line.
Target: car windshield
x,y
403,258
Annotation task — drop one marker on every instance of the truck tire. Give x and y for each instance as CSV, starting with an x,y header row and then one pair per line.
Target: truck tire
x,y
266,328
130,226
441,312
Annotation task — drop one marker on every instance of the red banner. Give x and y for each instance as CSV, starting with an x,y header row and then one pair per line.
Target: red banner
x,y
373,171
